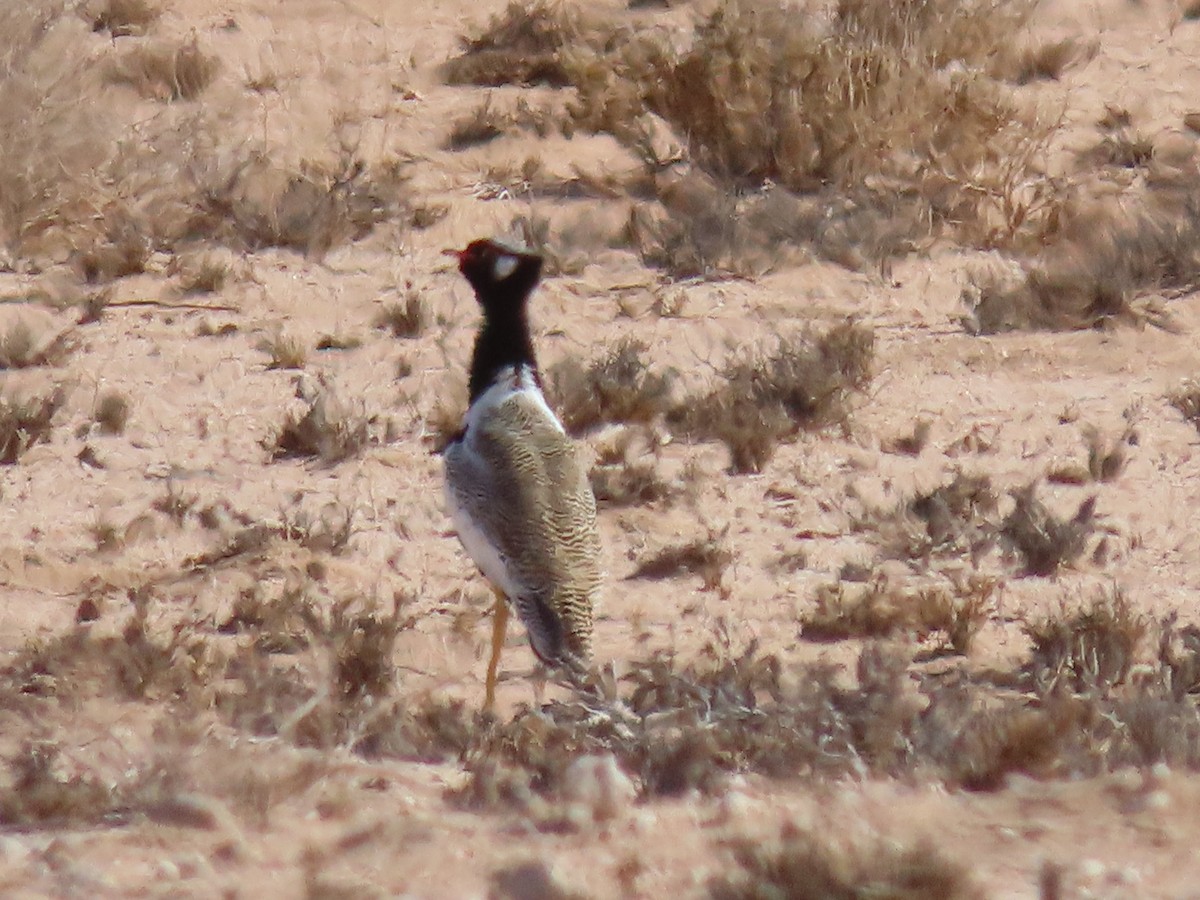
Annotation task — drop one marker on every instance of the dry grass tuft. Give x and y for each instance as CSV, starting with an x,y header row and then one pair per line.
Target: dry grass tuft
x,y
42,795
407,318
340,692
802,866
320,205
879,609
146,659
205,273
707,557
911,444
527,44
485,123
1096,271
1048,61
1045,542
286,351
165,71
276,623
856,103
628,482
1125,148
958,518
103,192
21,347
122,18
1187,401
25,422
1106,458
766,396
175,504
1028,740
1089,651
688,727
326,430
112,412
618,387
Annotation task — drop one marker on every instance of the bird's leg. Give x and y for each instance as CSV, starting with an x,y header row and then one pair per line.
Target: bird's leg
x,y
499,626
538,677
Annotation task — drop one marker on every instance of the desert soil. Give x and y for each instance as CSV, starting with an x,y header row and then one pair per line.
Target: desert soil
x,y
328,822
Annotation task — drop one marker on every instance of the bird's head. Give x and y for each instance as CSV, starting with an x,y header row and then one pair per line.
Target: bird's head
x,y
498,273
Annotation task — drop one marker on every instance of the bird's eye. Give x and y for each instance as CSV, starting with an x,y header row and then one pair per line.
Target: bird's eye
x,y
504,266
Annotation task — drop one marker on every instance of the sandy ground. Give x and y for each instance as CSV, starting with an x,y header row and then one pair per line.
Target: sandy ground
x,y
330,823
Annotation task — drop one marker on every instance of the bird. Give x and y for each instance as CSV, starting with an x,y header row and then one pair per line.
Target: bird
x,y
516,485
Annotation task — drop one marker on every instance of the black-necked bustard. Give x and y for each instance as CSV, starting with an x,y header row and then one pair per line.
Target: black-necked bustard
x,y
516,487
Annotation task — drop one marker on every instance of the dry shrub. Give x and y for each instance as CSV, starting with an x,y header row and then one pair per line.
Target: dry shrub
x,y
276,623
958,518
21,347
327,531
1091,650
707,557
618,387
25,422
526,44
1032,741
892,107
879,609
1047,62
112,412
53,128
687,727
1179,657
803,866
165,71
483,124
707,227
407,318
628,483
1106,458
697,230
43,794
1187,401
884,100
340,691
253,202
1124,148
136,663
767,395
326,429
1094,274
339,341
1044,542
121,18
85,185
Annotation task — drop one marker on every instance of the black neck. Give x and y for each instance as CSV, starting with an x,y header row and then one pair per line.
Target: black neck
x,y
503,341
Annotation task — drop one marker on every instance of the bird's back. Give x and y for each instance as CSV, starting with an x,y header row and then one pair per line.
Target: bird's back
x,y
520,497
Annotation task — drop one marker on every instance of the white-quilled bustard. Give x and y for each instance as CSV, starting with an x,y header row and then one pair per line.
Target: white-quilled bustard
x,y
516,486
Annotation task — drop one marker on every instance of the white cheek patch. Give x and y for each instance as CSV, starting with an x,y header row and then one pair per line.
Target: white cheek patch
x,y
504,266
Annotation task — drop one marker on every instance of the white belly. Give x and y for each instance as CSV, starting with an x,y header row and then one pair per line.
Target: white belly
x,y
485,555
